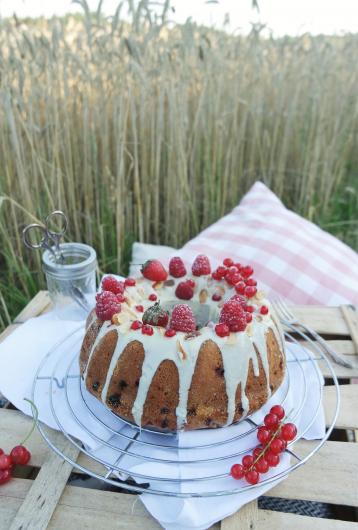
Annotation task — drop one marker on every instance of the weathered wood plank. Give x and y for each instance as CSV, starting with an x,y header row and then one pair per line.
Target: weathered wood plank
x,y
245,519
8,331
38,507
351,317
331,475
325,320
348,412
37,306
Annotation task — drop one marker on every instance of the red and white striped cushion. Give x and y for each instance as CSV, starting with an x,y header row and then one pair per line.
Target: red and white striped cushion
x,y
291,256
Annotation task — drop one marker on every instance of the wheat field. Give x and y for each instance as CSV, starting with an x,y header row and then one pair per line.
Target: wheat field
x,y
142,130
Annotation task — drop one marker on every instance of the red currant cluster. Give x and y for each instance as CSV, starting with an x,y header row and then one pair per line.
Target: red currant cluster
x,y
273,437
19,456
238,276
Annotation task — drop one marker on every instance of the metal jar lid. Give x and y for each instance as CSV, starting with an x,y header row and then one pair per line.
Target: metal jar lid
x,y
79,260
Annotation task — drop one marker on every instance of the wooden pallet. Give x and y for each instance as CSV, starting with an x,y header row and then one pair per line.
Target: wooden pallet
x,y
45,500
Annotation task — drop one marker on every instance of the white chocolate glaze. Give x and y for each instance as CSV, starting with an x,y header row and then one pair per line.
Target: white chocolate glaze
x,y
237,350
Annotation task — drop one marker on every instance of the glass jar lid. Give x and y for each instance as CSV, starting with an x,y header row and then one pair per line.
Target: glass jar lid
x,y
78,260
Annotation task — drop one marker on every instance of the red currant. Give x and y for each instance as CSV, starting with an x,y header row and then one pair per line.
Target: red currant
x,y
257,452
152,297
264,310
215,276
263,435
120,298
216,297
247,461
137,324
129,282
221,271
232,278
170,333
5,462
248,317
277,446
240,287
222,330
249,308
237,471
20,455
279,411
251,281
5,476
271,421
1,451
252,476
139,308
272,459
262,466
147,329
288,432
250,291
191,283
228,262
246,271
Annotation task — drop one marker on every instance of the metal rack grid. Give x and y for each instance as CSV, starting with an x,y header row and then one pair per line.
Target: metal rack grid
x,y
129,442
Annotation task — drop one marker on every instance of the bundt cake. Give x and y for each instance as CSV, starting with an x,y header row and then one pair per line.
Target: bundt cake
x,y
183,351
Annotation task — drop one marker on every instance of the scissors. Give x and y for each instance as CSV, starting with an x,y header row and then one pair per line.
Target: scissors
x,y
49,237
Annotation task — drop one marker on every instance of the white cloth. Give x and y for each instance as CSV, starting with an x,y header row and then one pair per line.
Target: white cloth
x,y
24,350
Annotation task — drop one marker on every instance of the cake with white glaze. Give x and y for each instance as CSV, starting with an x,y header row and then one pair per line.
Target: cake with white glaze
x,y
183,351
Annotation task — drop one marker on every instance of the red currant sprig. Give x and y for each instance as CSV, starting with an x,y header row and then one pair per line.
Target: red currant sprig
x,y
19,455
273,436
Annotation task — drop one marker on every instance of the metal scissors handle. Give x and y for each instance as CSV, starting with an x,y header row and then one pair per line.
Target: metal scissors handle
x,y
47,233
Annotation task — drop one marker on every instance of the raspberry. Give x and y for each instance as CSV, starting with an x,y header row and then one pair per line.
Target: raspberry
x,y
129,282
107,305
177,267
233,315
201,265
110,283
182,319
184,291
153,270
156,316
222,330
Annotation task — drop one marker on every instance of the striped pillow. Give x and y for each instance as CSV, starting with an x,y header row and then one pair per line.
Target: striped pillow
x,y
291,256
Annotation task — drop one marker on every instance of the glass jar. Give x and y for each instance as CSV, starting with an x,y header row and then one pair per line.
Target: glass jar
x,y
71,281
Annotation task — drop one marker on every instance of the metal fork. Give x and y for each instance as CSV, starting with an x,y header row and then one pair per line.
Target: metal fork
x,y
287,317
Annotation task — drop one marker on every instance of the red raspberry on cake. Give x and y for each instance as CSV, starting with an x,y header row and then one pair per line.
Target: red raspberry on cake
x,y
156,316
110,283
177,267
233,315
201,265
182,319
184,290
153,270
107,305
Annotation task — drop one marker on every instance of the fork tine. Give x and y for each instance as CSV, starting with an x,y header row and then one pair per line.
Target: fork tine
x,y
276,308
286,309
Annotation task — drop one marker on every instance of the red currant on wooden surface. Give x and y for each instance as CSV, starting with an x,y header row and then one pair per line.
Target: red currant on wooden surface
x,y
5,462
20,455
5,476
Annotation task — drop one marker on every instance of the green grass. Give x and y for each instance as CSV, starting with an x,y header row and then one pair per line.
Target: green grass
x,y
146,131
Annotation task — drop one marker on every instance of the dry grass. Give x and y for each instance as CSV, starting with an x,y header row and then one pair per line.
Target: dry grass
x,y
142,131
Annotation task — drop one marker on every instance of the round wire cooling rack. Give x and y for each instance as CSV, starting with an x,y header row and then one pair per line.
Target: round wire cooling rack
x,y
173,464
